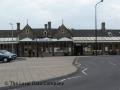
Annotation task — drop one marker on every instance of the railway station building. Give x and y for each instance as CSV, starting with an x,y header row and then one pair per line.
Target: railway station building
x,y
61,41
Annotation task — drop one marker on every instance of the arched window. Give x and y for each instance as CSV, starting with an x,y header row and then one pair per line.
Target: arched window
x,y
45,33
27,31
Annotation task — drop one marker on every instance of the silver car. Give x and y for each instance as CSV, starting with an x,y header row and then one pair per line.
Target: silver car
x,y
10,55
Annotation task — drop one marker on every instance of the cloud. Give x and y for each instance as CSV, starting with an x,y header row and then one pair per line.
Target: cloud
x,y
76,13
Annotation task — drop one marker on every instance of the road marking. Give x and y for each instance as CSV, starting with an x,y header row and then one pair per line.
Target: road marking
x,y
69,78
112,63
78,65
83,71
13,89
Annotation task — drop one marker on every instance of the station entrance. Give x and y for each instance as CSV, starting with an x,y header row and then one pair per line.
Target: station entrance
x,y
78,50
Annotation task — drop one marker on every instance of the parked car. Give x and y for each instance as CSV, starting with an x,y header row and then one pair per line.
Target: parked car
x,y
10,55
4,58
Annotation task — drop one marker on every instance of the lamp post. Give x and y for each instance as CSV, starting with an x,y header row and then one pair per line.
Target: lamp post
x,y
37,50
96,44
12,35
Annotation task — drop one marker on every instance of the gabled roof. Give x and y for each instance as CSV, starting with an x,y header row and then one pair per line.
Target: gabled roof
x,y
55,32
27,27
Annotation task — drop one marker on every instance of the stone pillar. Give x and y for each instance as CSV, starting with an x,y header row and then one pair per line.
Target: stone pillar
x,y
119,47
103,48
72,49
53,49
113,48
22,50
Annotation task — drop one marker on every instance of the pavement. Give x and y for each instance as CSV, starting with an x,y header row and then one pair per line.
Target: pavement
x,y
35,69
94,73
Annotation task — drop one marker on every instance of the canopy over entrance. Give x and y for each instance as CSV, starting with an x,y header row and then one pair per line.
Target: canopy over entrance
x,y
26,40
92,39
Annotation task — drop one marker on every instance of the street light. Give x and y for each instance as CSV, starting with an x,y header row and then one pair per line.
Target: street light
x,y
12,35
96,46
37,50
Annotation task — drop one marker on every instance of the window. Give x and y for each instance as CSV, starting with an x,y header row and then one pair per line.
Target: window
x,y
27,31
106,48
25,49
116,45
110,34
45,33
62,30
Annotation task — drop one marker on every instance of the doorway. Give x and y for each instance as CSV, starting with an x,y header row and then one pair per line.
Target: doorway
x,y
78,50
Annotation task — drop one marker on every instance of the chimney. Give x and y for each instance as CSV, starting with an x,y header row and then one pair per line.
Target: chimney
x,y
45,26
18,26
49,25
103,26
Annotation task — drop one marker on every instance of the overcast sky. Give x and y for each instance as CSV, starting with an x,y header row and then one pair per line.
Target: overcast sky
x,y
78,14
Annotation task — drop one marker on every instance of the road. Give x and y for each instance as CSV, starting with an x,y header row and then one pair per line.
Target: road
x,y
94,73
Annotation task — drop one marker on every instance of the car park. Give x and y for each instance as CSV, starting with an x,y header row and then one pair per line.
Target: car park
x,y
10,55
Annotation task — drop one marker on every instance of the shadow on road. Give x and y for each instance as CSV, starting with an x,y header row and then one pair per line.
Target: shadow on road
x,y
19,59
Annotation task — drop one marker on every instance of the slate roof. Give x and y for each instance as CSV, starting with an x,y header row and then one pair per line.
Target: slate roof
x,y
74,33
91,33
8,33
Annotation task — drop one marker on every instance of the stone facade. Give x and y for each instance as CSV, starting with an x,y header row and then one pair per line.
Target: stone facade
x,y
48,41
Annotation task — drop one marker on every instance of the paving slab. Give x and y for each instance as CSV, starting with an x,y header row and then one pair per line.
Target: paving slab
x,y
35,69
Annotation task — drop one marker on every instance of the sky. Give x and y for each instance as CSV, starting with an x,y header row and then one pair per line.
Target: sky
x,y
76,14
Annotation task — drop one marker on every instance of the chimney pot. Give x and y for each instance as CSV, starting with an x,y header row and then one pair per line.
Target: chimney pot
x,y
49,25
103,26
45,26
18,26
